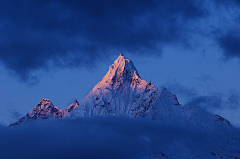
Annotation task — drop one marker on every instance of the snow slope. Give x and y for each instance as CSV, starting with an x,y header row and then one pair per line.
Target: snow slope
x,y
122,92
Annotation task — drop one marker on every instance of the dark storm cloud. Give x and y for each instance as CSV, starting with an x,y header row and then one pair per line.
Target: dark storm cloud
x,y
105,137
228,37
230,44
38,35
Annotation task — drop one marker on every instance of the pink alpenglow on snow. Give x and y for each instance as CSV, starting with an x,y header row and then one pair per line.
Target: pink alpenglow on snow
x,y
122,92
45,110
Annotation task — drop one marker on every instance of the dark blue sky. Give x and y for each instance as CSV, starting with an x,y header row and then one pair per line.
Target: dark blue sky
x,y
61,49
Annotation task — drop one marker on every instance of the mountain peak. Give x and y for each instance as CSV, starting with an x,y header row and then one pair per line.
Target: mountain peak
x,y
46,110
120,58
121,72
121,64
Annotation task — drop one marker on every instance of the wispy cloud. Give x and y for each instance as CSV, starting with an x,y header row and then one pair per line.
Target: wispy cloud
x,y
225,103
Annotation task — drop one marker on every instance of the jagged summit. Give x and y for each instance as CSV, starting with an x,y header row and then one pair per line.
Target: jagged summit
x,y
124,64
46,110
121,73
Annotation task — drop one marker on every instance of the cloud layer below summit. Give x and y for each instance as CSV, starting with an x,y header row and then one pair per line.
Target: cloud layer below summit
x,y
105,137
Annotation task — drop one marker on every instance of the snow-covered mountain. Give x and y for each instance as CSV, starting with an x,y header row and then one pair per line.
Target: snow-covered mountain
x,y
45,110
122,92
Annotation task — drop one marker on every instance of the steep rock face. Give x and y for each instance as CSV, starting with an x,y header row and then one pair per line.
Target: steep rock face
x,y
122,92
45,110
74,105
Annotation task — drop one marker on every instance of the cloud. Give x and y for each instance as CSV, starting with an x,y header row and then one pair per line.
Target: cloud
x,y
211,101
204,78
226,30
191,96
101,137
15,114
230,44
207,102
42,35
39,35
183,93
218,102
226,104
233,100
